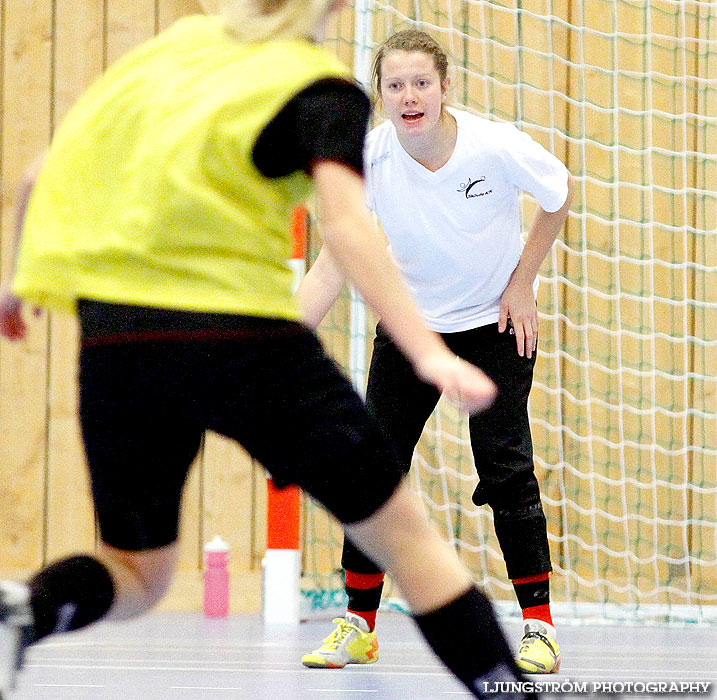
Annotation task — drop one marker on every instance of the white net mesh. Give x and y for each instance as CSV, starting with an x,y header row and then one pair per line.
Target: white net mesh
x,y
624,405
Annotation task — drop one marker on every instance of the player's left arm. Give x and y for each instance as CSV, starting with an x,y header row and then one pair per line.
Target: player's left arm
x,y
518,300
12,324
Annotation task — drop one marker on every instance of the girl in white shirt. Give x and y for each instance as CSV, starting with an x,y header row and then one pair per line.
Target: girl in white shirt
x,y
445,185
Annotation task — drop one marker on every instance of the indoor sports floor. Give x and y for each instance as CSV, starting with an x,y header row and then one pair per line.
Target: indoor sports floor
x,y
183,656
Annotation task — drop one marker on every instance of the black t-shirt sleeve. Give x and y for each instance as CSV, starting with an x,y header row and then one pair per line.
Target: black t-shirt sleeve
x,y
327,120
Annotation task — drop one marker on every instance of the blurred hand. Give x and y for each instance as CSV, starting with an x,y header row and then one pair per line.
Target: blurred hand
x,y
462,383
518,305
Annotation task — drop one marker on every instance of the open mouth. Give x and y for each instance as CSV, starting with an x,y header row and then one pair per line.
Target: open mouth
x,y
411,116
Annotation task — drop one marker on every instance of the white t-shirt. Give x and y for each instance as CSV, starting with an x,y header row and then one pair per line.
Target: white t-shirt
x,y
455,233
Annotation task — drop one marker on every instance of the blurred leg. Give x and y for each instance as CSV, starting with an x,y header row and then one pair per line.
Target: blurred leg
x,y
401,404
402,541
446,606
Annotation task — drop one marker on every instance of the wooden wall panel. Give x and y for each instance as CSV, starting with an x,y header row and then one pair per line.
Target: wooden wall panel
x,y
703,392
78,58
168,11
27,60
128,23
228,507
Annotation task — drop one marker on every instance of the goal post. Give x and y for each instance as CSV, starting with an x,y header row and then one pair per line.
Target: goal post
x,y
624,404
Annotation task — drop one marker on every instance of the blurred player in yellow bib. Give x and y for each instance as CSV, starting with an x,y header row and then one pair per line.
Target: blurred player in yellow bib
x,y
160,216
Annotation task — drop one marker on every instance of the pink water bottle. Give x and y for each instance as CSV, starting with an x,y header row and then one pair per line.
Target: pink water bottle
x,y
216,578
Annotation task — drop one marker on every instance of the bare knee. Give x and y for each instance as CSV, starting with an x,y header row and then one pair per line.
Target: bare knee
x,y
400,539
397,530
141,578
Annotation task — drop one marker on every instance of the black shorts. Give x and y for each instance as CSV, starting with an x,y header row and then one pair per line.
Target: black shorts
x,y
148,392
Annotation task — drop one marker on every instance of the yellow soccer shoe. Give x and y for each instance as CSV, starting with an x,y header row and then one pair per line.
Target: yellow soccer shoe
x,y
349,643
538,651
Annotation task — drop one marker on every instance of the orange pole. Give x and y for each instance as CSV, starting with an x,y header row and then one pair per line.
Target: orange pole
x,y
299,231
284,505
283,516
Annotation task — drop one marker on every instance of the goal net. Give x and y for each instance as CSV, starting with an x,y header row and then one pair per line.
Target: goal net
x,y
624,404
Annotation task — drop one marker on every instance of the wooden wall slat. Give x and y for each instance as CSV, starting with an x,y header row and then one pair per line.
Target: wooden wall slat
x,y
227,498
23,366
129,22
169,11
703,540
78,52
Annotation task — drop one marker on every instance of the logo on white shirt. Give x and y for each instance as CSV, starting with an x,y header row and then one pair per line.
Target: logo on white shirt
x,y
468,186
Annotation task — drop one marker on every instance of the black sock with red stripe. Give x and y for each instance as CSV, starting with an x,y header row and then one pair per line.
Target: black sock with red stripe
x,y
533,593
364,593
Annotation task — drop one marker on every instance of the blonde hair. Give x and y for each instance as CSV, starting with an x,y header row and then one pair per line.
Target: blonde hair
x,y
262,20
409,40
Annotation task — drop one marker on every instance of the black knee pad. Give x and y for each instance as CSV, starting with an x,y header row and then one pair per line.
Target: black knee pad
x,y
513,489
522,534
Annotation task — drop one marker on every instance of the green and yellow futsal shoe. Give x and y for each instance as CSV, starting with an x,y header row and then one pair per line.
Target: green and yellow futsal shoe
x,y
349,643
538,652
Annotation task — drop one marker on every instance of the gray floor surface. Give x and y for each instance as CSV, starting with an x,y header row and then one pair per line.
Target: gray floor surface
x,y
182,656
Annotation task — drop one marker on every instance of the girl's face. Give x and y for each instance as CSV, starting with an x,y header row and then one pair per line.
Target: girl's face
x,y
411,91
